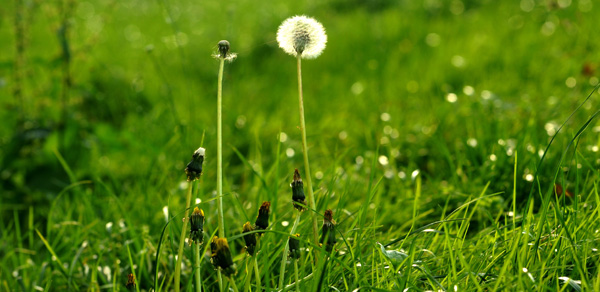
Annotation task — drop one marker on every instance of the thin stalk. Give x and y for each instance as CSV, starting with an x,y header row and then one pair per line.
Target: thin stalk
x,y
296,275
233,286
285,252
248,274
311,197
197,267
257,275
220,277
220,149
182,238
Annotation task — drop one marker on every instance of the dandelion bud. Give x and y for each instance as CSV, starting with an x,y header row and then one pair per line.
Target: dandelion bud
x,y
250,239
130,282
223,48
213,251
294,244
262,220
302,36
328,231
222,257
224,52
298,191
194,168
197,225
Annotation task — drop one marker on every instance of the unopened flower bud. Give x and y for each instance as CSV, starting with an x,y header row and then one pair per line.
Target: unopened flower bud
x,y
250,239
197,225
298,191
294,245
262,220
194,168
328,231
223,258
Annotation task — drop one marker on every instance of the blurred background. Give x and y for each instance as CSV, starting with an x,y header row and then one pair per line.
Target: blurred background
x,y
103,103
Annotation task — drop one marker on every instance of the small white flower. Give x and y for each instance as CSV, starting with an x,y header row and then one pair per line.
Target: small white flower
x,y
301,35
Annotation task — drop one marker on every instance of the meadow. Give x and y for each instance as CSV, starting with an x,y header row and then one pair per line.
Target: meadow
x,y
456,143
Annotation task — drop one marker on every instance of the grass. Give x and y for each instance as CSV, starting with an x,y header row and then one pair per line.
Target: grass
x,y
427,125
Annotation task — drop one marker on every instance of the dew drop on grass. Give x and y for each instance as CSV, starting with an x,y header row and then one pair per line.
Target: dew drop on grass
x,y
319,175
389,174
412,86
571,82
469,90
359,160
387,130
165,210
451,97
402,175
486,94
285,223
383,160
458,61
493,157
198,201
290,152
357,88
385,117
240,122
414,174
528,177
527,5
433,39
472,142
283,137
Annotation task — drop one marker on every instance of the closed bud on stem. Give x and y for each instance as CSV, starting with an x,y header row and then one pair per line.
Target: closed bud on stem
x,y
197,225
294,245
130,282
328,231
262,220
250,239
194,169
222,257
223,52
298,191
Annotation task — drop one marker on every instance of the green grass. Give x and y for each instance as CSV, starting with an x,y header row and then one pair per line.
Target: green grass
x,y
87,167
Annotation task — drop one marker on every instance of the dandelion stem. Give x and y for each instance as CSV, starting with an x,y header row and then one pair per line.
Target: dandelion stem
x,y
296,275
182,238
233,286
220,277
220,148
285,252
197,267
257,274
248,274
311,197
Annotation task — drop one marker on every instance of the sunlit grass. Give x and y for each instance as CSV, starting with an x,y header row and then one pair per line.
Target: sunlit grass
x,y
428,123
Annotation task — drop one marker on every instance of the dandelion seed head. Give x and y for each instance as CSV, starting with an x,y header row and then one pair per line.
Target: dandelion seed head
x,y
302,35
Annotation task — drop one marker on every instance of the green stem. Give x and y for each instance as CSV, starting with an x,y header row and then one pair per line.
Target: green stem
x,y
233,286
311,197
248,275
220,149
285,252
182,238
296,275
197,267
220,277
257,275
